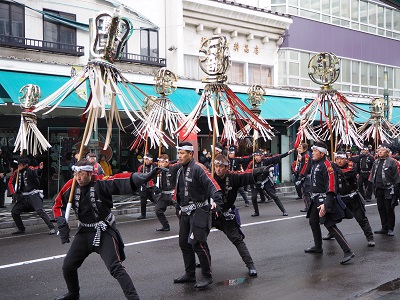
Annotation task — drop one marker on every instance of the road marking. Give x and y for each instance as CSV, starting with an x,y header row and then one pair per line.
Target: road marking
x,y
149,241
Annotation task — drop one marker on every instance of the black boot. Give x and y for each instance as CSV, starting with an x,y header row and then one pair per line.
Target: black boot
x,y
252,270
203,283
185,278
68,296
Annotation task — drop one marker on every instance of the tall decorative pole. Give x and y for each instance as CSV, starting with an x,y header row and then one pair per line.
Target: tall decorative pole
x,y
29,137
215,62
377,127
256,99
333,111
109,34
161,112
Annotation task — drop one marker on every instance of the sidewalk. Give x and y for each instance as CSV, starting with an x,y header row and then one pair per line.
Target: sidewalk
x,y
123,205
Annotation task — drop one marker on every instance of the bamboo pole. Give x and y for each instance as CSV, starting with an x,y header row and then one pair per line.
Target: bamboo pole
x,y
82,147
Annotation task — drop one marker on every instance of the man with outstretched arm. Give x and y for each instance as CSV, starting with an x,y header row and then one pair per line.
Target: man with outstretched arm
x,y
97,231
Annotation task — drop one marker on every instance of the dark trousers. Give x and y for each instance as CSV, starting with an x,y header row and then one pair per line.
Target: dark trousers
x,y
299,188
365,186
28,204
254,193
271,192
314,222
160,209
358,210
385,209
232,231
144,195
244,194
3,188
189,250
82,246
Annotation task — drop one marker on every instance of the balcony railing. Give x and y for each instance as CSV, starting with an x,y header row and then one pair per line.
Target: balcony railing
x,y
39,45
143,59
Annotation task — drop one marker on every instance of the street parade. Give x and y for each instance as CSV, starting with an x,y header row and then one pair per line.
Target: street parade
x,y
211,198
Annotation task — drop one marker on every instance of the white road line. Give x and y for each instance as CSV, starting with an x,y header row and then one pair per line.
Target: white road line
x,y
150,241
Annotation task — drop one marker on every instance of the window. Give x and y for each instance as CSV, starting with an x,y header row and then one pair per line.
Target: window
x,y
260,74
59,35
12,19
236,72
149,42
192,68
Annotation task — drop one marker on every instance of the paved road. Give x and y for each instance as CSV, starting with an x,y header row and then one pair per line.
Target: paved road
x,y
30,265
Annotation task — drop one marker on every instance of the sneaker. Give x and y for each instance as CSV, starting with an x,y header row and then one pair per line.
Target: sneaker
x,y
328,237
141,217
285,214
390,233
381,231
314,250
371,243
246,205
255,215
52,231
348,255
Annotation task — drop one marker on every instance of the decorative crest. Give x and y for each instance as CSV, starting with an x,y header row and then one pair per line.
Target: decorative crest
x,y
165,80
216,59
256,95
324,68
110,34
30,95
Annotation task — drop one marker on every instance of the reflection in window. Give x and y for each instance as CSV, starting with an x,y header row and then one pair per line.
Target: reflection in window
x,y
59,35
149,42
12,19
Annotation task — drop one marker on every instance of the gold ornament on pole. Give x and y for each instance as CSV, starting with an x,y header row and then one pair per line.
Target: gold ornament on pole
x,y
29,137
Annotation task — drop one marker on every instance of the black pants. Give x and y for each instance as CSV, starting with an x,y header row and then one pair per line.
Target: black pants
x,y
28,204
82,246
160,209
189,250
232,231
3,188
299,188
314,222
144,195
365,186
385,209
254,192
271,192
358,210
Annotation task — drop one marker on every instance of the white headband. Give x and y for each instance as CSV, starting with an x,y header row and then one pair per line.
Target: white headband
x,y
162,159
149,158
340,155
320,149
82,168
219,162
186,147
384,147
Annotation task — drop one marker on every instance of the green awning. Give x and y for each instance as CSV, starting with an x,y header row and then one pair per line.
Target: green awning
x,y
277,108
184,99
12,82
